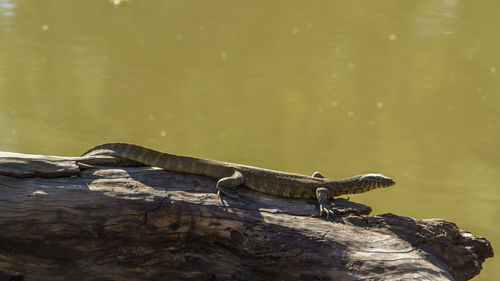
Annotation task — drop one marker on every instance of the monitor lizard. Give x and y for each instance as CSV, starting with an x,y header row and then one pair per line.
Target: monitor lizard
x,y
230,176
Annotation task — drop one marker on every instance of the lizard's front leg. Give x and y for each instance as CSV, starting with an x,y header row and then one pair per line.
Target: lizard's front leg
x,y
323,195
227,185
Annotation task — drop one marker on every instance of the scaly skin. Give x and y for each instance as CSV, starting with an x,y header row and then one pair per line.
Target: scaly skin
x,y
230,175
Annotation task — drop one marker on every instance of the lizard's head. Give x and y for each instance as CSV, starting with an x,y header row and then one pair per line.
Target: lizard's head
x,y
375,180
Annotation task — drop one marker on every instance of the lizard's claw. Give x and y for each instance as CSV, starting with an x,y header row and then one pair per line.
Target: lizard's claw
x,y
328,210
234,194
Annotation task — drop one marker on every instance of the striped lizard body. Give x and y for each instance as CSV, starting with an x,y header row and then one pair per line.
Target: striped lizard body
x,y
230,175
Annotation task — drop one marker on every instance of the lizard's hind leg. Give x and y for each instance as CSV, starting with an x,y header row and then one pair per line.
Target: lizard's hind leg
x,y
227,185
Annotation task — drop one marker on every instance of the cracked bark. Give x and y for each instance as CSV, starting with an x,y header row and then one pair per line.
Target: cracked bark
x,y
59,222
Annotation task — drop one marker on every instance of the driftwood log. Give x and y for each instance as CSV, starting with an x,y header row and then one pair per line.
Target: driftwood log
x,y
59,221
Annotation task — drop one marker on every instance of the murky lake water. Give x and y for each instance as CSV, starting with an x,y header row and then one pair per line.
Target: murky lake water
x,y
409,89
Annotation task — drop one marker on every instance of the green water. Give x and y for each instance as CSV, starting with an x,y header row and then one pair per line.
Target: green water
x,y
407,88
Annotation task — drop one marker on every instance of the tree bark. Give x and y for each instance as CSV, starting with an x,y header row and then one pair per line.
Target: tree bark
x,y
61,222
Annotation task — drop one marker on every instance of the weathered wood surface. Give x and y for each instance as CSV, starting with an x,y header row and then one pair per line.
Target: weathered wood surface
x,y
58,222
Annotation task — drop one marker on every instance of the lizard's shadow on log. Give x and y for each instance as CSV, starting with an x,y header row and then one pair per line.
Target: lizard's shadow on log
x,y
248,200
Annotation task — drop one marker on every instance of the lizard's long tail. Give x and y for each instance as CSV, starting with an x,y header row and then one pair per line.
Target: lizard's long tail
x,y
146,156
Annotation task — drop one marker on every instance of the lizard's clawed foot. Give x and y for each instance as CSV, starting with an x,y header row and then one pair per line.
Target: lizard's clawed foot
x,y
329,210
